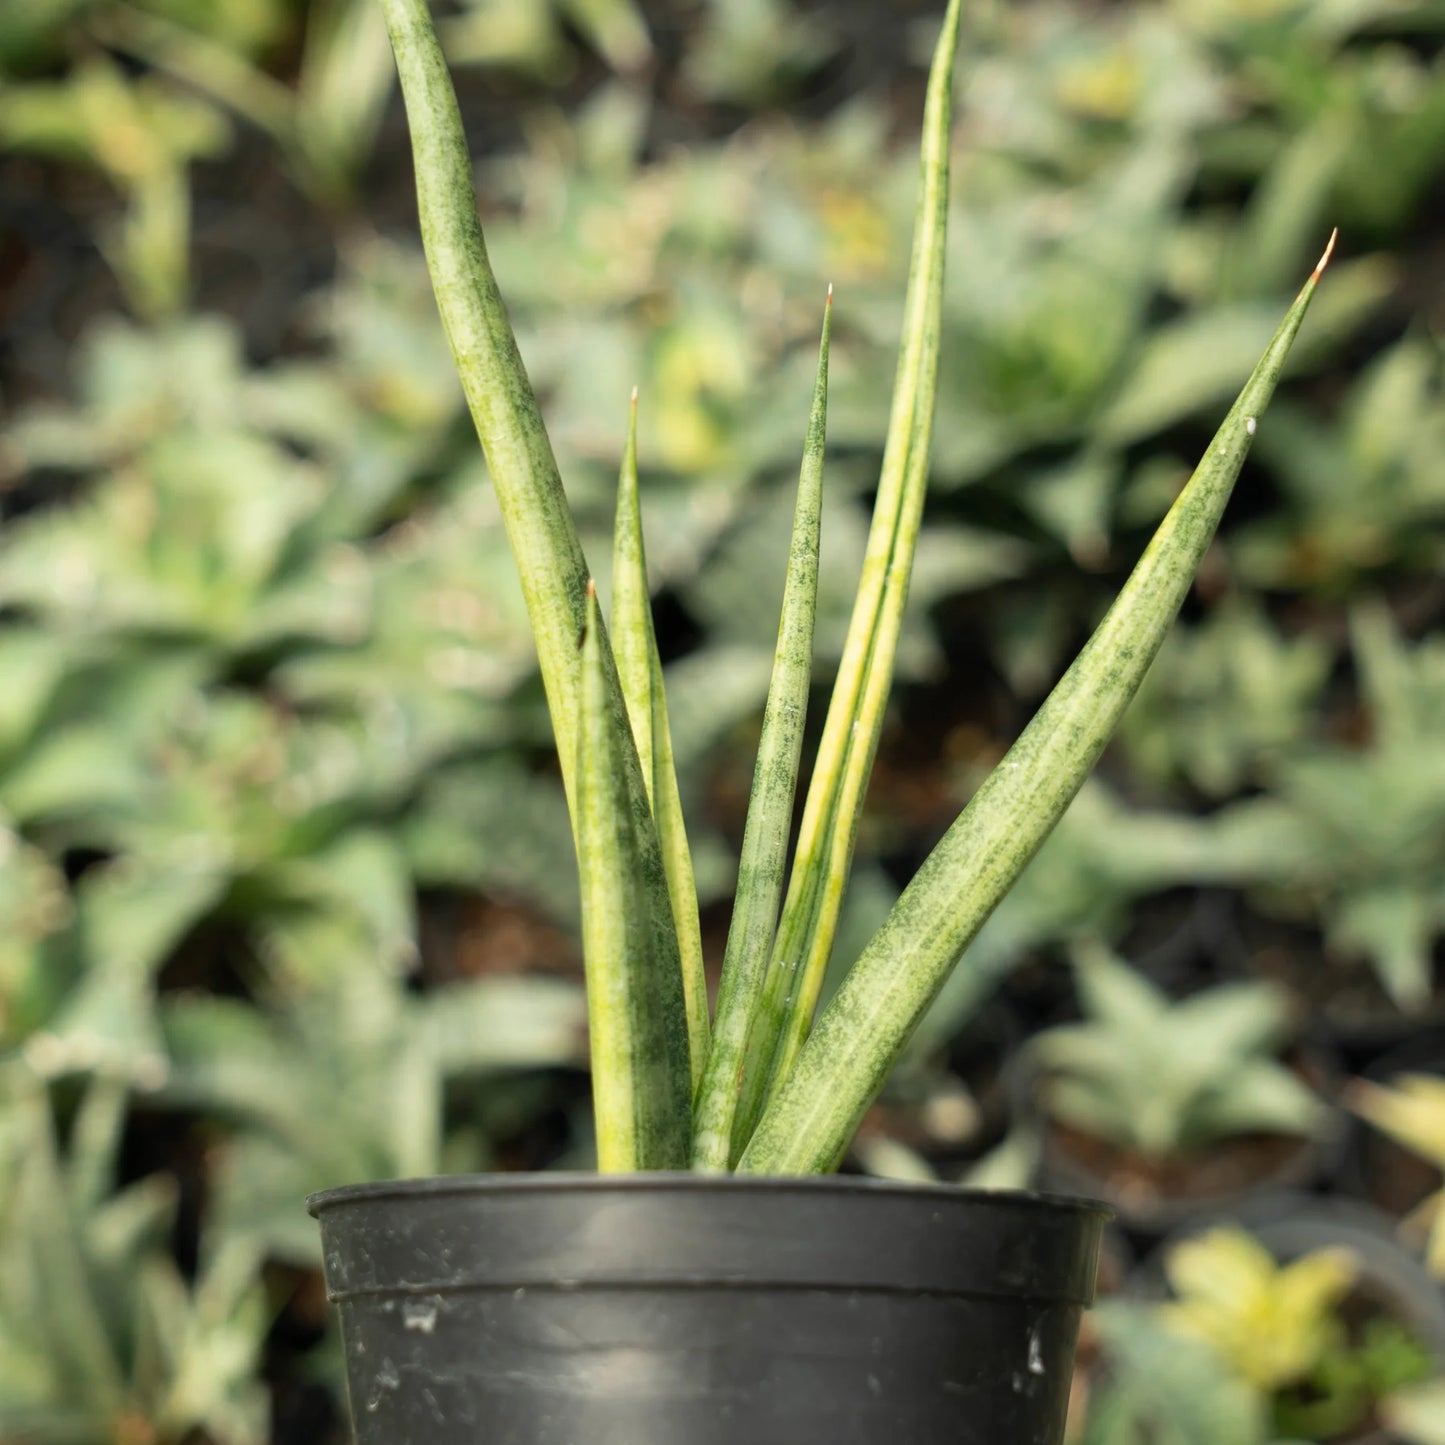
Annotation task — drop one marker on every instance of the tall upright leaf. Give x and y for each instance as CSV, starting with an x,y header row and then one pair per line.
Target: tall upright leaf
x,y
770,808
639,669
641,1083
545,546
840,1068
860,694
534,508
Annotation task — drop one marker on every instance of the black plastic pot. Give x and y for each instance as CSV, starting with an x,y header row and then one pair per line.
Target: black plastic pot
x,y
668,1309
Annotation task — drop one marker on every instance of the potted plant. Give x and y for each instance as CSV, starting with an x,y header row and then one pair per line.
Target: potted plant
x,y
1315,1310
1308,1324
706,1285
1359,829
1165,1108
1138,1384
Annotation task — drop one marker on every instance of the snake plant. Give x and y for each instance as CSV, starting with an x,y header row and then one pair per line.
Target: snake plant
x,y
761,1086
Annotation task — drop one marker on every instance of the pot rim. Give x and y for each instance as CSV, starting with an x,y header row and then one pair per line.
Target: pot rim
x,y
683,1182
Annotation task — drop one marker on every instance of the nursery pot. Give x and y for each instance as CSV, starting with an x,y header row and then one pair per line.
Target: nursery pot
x,y
678,1309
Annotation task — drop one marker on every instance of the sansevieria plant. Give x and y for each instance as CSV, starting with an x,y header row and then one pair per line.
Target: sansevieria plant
x,y
762,1086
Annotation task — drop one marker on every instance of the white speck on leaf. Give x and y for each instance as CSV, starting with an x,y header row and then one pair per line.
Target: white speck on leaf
x,y
419,1315
1249,424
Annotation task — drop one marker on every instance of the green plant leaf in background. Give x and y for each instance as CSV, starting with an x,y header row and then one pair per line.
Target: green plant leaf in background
x,y
99,1332
1227,700
1285,1328
1163,1390
141,135
325,126
750,48
375,1061
529,35
1163,1079
1418,1414
1271,1321
1356,832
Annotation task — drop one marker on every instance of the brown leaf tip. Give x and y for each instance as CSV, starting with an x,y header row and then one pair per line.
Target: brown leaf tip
x,y
829,301
1325,259
634,398
591,589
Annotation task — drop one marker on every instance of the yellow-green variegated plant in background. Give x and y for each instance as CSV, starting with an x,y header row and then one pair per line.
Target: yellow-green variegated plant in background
x,y
763,1086
1411,1111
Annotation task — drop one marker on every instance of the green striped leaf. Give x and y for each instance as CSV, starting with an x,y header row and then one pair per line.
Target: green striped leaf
x,y
770,808
860,694
642,1071
639,669
499,394
840,1068
641,1085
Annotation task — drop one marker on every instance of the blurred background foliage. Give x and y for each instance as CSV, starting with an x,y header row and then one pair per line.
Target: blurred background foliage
x,y
286,890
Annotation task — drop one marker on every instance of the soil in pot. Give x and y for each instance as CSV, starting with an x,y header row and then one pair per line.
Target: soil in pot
x,y
1146,1190
1180,938
1348,1002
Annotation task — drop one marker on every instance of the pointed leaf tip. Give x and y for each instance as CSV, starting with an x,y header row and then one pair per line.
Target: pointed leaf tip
x,y
639,669
1325,259
829,301
591,589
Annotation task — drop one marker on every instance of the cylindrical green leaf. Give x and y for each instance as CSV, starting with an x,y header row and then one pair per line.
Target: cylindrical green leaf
x,y
641,1085
770,808
840,1068
865,674
503,406
555,584
639,669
